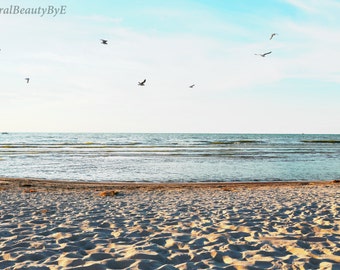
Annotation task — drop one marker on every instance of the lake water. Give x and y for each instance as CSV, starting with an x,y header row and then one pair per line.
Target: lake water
x,y
170,157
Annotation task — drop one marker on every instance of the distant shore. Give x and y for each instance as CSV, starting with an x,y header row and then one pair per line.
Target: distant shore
x,y
81,225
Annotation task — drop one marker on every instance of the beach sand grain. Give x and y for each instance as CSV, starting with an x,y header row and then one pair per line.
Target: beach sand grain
x,y
169,226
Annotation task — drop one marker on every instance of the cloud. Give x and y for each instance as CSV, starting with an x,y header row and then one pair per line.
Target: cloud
x,y
81,84
315,7
303,5
309,49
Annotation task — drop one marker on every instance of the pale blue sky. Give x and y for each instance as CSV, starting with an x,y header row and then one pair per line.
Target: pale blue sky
x,y
80,85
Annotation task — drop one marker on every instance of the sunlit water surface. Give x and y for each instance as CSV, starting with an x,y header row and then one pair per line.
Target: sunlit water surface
x,y
170,157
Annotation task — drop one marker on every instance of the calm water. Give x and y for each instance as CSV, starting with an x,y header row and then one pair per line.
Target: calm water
x,y
170,157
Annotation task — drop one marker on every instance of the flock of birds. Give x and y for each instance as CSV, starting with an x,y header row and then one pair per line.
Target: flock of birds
x,y
142,83
264,54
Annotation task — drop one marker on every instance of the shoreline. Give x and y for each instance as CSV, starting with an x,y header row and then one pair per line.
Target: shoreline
x,y
14,183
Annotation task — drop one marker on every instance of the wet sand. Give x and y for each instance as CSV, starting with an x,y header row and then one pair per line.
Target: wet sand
x,y
72,225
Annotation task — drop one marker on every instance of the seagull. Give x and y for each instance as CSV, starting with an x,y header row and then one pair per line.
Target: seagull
x,y
272,35
142,83
104,41
263,54
192,86
27,80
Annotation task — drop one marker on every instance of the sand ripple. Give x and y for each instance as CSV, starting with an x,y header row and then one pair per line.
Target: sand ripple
x,y
281,228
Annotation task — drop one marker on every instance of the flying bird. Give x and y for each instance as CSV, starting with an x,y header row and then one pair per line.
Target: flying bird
x,y
192,86
263,54
272,35
27,80
142,83
104,41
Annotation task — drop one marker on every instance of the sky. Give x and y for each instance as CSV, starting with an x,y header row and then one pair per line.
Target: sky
x,y
78,84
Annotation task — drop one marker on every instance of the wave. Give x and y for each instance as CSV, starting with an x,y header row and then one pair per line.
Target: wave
x,y
237,142
321,141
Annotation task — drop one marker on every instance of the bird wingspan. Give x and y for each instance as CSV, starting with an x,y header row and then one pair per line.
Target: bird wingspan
x,y
272,35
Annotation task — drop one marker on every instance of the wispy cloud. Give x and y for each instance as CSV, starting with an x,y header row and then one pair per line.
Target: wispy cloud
x,y
303,5
82,79
315,6
309,49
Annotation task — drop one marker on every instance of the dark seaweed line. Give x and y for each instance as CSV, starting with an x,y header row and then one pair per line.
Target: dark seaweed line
x,y
321,141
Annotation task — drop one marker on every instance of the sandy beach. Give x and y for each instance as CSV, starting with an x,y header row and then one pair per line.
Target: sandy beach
x,y
72,225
